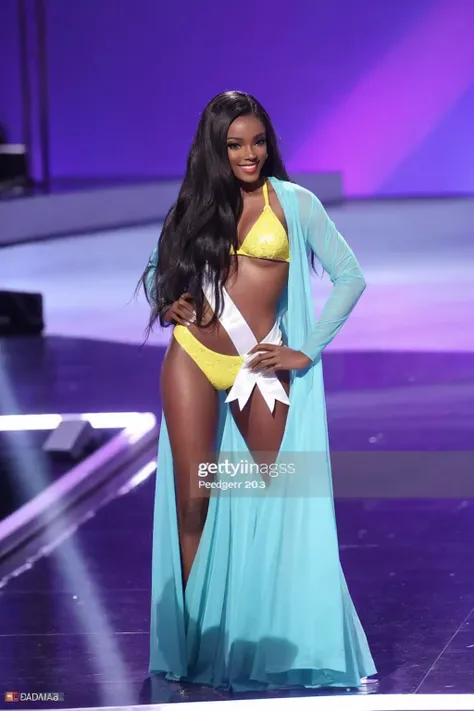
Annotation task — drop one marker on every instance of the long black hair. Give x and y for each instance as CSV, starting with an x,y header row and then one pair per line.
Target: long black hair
x,y
201,226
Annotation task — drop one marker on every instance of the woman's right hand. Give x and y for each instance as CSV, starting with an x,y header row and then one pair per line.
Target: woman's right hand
x,y
181,311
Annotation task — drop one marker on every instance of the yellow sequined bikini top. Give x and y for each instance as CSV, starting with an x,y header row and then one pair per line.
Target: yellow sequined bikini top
x,y
267,238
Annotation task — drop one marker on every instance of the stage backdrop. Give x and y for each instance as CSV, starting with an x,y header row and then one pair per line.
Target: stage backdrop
x,y
10,87
382,90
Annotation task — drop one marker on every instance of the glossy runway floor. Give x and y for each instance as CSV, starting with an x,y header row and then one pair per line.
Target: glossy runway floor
x,y
400,382
417,256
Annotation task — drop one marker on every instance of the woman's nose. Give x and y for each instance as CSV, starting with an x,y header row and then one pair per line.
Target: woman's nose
x,y
250,154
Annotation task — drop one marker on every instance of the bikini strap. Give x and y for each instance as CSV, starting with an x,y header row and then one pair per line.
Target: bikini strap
x,y
265,193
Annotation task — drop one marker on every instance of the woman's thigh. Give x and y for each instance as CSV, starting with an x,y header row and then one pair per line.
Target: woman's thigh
x,y
261,429
191,409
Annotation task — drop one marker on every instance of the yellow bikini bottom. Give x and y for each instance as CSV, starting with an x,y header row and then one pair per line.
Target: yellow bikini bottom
x,y
221,370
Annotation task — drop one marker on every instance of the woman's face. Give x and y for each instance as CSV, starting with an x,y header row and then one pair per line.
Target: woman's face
x,y
247,148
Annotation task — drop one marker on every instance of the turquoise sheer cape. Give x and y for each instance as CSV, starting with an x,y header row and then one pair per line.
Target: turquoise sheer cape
x,y
266,604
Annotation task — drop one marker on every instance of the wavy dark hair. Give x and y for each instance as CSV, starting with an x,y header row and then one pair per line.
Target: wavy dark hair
x,y
201,226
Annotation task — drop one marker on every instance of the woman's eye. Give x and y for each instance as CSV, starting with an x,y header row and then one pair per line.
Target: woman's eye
x,y
235,146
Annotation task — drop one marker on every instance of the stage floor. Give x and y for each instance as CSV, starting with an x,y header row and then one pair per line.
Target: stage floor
x,y
400,379
417,255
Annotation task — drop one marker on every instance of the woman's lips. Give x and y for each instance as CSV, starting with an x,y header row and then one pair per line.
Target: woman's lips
x,y
249,168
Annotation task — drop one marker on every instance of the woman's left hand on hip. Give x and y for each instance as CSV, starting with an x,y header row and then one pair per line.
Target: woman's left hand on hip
x,y
272,357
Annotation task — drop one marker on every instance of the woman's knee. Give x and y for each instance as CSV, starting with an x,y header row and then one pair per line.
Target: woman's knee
x,y
192,514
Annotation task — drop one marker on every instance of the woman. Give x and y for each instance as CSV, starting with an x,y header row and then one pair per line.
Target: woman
x,y
247,590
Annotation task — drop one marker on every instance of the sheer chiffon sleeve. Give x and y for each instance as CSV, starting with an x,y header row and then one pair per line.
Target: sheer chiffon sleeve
x,y
340,263
149,276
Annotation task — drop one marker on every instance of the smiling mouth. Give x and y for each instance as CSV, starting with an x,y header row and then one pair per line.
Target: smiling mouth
x,y
249,168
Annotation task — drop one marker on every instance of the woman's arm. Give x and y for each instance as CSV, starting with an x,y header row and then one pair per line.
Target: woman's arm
x,y
339,261
180,311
